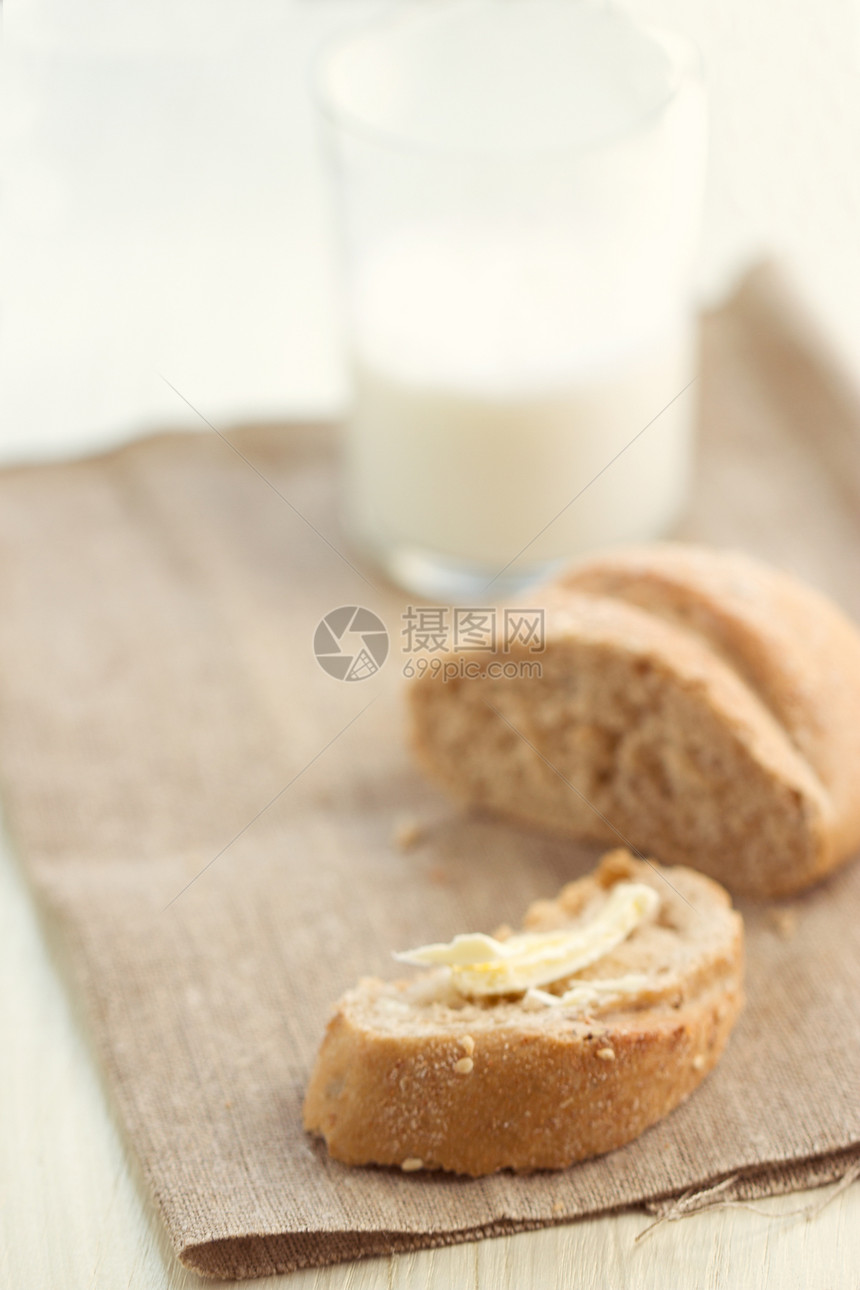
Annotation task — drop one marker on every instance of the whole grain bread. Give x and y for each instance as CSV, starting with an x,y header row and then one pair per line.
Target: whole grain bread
x,y
411,1073
694,703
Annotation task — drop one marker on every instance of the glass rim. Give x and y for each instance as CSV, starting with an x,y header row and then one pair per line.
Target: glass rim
x,y
687,64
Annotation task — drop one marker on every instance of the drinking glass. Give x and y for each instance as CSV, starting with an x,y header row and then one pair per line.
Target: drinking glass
x,y
519,186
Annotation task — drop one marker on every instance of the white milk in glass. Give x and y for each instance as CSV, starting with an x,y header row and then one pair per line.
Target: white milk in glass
x,y
503,447
521,186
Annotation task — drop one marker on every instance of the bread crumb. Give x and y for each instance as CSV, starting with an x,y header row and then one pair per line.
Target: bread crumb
x,y
411,1164
606,1054
408,833
468,1044
557,1207
464,1066
699,1061
783,922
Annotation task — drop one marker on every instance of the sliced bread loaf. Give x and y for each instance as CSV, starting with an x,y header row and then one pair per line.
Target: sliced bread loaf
x,y
692,703
441,1071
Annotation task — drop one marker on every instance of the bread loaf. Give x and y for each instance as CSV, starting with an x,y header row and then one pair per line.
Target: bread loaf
x,y
429,1072
695,704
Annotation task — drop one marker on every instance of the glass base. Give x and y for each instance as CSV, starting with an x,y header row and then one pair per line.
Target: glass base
x,y
443,579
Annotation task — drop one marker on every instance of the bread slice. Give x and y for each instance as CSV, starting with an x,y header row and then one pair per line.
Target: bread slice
x,y
414,1073
694,703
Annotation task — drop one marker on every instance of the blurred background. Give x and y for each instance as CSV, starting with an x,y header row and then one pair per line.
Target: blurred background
x,y
165,211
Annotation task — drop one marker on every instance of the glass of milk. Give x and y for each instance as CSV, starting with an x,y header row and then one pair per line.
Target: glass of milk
x,y
520,184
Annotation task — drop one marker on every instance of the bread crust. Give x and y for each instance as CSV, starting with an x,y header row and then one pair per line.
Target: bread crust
x,y
771,665
529,1091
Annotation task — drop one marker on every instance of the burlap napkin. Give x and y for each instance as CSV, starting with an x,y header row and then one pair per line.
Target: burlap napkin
x,y
210,820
